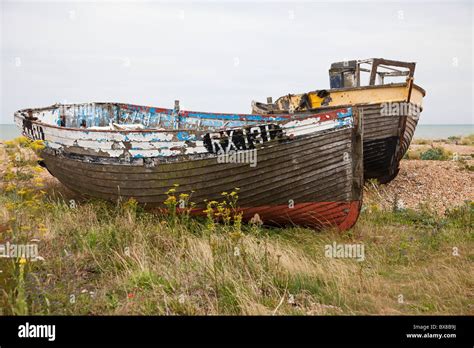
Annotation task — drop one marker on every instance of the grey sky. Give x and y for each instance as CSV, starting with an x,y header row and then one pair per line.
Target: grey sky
x,y
219,56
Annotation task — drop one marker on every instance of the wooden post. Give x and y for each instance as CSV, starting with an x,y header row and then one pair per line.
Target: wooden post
x,y
373,72
357,154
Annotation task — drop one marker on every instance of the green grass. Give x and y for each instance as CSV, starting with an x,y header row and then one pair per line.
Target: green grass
x,y
146,265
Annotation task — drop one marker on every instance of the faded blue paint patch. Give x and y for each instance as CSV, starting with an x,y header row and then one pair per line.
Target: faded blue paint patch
x,y
345,114
344,122
98,115
183,136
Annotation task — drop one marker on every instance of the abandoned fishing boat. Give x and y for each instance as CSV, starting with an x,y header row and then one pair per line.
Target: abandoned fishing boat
x,y
306,168
390,110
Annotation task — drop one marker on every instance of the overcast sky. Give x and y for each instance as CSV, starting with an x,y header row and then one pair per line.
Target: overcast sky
x,y
219,56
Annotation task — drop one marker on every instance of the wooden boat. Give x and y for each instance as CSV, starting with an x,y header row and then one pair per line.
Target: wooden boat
x,y
390,111
308,170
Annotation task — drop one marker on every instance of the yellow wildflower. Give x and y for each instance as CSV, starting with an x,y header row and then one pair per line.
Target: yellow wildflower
x,y
22,140
171,199
37,145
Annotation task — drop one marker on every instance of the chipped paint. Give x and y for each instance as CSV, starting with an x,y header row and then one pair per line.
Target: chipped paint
x,y
128,132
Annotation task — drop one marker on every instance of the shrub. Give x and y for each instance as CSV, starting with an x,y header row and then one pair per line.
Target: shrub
x,y
454,139
436,154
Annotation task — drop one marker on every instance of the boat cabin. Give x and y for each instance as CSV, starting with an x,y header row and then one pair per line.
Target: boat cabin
x,y
350,73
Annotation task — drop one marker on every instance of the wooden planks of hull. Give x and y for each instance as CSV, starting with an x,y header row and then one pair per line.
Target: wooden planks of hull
x,y
256,184
386,140
314,174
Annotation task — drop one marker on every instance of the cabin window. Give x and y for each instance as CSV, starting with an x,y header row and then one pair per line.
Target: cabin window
x,y
349,80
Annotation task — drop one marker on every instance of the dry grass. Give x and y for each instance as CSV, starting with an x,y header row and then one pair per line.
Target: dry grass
x,y
104,258
464,140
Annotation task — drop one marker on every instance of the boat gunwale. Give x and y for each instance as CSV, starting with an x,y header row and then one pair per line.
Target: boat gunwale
x,y
387,85
290,117
157,109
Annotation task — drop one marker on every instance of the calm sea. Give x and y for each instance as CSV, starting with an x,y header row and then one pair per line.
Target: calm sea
x,y
425,131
